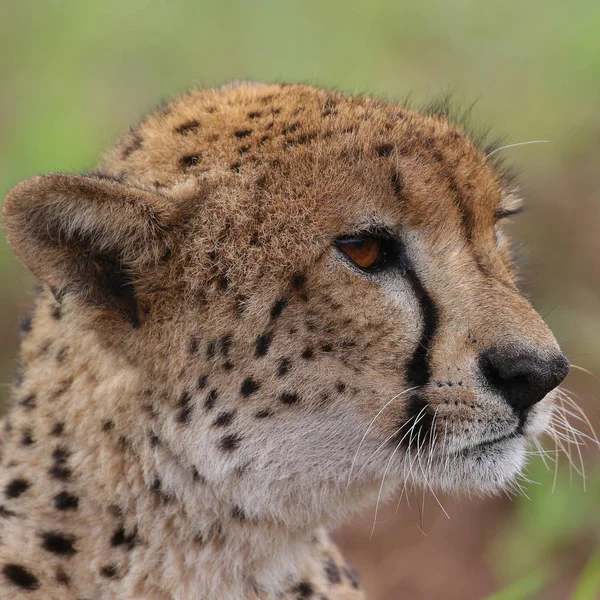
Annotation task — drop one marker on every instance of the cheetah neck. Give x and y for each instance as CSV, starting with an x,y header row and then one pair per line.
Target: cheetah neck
x,y
152,526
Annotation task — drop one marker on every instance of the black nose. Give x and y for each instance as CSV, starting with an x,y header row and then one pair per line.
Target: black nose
x,y
522,377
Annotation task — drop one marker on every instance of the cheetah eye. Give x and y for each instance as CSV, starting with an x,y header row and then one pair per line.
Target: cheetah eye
x,y
367,251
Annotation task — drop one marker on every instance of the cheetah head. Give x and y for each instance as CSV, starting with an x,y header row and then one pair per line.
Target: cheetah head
x,y
316,290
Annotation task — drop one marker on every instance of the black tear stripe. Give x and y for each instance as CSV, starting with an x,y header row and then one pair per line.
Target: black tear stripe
x,y
418,369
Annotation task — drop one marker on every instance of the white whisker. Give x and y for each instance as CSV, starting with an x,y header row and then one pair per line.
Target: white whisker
x,y
514,145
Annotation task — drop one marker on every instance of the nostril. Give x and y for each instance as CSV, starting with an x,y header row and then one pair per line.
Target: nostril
x,y
522,378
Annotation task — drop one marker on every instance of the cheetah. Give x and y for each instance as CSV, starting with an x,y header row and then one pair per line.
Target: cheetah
x,y
268,307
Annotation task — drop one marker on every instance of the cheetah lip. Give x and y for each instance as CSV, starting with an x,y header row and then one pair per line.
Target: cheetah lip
x,y
486,444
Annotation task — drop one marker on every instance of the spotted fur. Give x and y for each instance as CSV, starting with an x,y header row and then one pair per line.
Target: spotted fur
x,y
208,382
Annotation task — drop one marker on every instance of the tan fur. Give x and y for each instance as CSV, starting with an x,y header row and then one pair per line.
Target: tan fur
x,y
203,364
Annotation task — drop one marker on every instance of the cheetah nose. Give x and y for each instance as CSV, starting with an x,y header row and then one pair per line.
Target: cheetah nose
x,y
522,377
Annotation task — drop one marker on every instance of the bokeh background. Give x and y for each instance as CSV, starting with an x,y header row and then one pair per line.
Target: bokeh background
x,y
74,75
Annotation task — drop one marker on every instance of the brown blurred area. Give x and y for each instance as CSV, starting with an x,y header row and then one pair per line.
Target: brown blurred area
x,y
75,75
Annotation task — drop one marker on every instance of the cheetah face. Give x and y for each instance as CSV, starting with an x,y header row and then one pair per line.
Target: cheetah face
x,y
320,293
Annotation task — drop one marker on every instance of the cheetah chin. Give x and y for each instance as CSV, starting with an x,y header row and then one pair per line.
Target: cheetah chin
x,y
267,307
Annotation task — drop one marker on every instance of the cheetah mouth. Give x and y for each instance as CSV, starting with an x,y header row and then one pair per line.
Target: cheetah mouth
x,y
491,443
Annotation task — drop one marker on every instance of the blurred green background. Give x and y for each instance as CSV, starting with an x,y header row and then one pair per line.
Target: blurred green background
x,y
74,75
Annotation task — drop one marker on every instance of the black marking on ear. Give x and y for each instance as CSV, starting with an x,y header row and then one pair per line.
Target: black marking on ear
x,y
116,287
65,501
188,127
58,543
21,577
16,487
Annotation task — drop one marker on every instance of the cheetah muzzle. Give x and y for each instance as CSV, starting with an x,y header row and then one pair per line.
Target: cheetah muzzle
x,y
268,307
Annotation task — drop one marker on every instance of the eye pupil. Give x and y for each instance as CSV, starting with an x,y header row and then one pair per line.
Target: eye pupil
x,y
366,251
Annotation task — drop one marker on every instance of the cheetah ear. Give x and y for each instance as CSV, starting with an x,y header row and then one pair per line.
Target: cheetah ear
x,y
88,236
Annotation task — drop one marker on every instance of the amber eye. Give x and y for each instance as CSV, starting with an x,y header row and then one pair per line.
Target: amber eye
x,y
365,251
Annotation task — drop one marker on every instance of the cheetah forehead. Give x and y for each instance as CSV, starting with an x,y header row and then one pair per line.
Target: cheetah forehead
x,y
297,140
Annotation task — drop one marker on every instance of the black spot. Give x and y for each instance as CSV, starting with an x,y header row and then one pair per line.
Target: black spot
x,y
242,133
352,575
262,344
224,419
27,438
289,398
121,538
185,408
5,513
211,398
384,149
237,513
228,365
307,353
25,325
16,487
303,590
156,484
230,442
278,307
194,345
332,571
226,344
340,386
236,166
211,349
58,429
203,382
255,114
199,538
134,145
188,127
397,184
61,576
249,386
60,472
290,128
21,577
107,425
190,160
326,347
61,454
28,402
109,571
58,543
65,501
56,312
263,414
285,364
298,281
